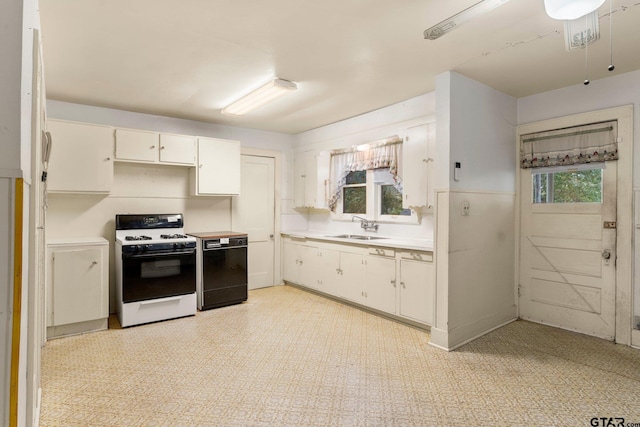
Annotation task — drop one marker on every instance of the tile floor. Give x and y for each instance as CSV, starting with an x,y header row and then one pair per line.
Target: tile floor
x,y
291,358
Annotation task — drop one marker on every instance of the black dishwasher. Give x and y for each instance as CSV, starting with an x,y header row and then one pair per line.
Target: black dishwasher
x,y
223,278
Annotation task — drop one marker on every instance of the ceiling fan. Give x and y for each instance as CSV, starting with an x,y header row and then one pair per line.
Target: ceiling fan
x,y
556,9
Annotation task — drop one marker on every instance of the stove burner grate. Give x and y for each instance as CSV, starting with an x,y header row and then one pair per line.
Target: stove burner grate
x,y
173,236
137,238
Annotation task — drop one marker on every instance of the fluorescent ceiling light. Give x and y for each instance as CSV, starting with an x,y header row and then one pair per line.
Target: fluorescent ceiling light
x,y
570,9
456,20
272,90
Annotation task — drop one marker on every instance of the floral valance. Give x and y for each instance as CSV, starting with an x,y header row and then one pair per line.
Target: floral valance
x,y
386,154
596,142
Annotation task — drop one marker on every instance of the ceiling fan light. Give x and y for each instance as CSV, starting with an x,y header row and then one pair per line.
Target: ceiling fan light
x,y
570,9
267,93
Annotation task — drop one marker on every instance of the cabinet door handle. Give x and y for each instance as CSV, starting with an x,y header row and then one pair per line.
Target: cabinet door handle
x,y
162,147
152,147
403,285
107,159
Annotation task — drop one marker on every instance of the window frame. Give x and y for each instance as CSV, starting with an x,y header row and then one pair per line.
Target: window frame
x,y
374,210
565,169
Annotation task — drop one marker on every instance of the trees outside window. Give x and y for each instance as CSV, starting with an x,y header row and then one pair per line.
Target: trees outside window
x,y
579,186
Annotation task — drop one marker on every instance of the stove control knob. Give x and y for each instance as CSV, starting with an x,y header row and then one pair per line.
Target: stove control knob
x,y
147,247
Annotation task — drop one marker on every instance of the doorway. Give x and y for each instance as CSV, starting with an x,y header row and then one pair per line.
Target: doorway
x,y
254,212
575,258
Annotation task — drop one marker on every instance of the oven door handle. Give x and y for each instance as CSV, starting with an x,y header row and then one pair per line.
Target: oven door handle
x,y
156,254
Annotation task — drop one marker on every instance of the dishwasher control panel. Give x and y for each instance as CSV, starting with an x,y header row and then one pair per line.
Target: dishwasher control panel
x,y
225,242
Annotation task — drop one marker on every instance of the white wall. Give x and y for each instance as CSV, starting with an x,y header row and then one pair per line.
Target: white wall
x,y
18,19
357,127
11,71
368,127
474,253
623,89
481,136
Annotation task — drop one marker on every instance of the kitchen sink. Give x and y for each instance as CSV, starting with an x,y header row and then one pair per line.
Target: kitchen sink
x,y
357,237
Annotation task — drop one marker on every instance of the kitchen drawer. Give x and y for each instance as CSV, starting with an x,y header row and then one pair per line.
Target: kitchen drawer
x,y
417,256
387,252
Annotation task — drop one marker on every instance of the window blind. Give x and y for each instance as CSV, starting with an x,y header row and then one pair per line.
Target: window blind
x,y
595,142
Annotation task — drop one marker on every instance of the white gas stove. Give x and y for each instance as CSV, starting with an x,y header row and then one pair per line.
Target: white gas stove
x,y
155,268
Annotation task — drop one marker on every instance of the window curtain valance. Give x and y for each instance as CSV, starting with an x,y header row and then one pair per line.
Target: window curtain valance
x,y
386,154
596,142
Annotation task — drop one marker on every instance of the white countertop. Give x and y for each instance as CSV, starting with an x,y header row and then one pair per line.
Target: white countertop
x,y
77,241
384,241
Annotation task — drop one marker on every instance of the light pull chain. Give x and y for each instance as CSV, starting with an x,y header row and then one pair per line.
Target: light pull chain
x,y
611,66
585,40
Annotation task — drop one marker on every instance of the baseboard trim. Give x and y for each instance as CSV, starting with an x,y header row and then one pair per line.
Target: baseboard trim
x,y
457,337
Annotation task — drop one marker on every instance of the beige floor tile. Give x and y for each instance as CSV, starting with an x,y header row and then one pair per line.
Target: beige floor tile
x,y
291,358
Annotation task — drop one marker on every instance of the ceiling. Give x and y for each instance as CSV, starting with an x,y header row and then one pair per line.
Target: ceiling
x,y
189,59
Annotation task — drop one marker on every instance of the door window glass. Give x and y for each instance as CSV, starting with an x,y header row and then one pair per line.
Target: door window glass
x,y
569,186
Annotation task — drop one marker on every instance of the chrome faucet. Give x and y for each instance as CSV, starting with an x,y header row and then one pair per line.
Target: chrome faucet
x,y
365,223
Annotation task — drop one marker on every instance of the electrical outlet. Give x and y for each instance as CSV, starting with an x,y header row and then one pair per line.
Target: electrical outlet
x,y
466,207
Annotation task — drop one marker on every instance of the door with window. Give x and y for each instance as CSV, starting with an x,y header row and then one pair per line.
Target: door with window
x,y
568,246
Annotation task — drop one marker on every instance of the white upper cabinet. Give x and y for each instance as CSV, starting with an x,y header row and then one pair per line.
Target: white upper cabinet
x,y
179,149
137,145
153,147
311,179
218,168
418,168
81,157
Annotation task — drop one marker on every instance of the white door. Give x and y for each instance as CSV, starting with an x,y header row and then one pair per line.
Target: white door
x,y
567,258
253,213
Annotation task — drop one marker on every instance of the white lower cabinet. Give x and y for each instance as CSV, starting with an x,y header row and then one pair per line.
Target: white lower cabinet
x,y
395,282
309,269
351,276
291,261
310,266
417,291
299,263
380,283
328,271
77,285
